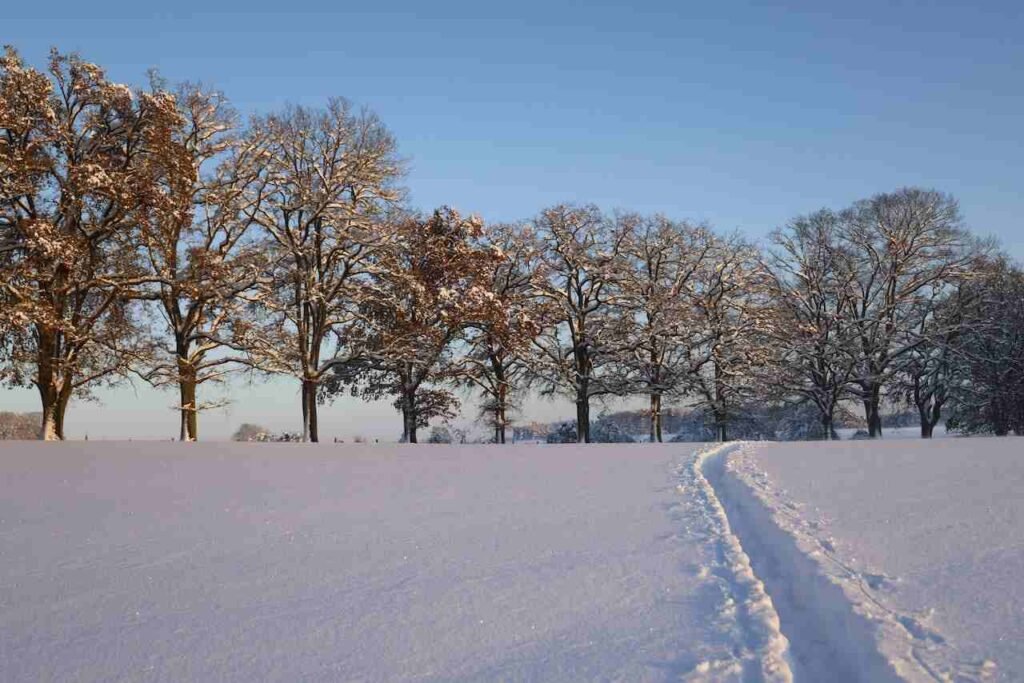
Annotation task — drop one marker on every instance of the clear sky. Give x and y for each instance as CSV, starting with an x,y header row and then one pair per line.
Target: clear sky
x,y
742,114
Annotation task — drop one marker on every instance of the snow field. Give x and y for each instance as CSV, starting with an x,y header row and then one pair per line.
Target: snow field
x,y
841,562
239,562
836,634
888,560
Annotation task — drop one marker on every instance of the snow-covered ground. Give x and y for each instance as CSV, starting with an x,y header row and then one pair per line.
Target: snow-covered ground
x,y
891,433
173,562
853,561
924,540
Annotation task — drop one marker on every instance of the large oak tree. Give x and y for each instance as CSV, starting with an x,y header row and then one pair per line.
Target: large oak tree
x,y
81,163
326,184
201,254
432,285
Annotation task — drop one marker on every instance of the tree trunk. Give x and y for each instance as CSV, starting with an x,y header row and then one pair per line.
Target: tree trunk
x,y
875,423
310,422
310,431
930,415
305,411
314,416
46,382
828,430
48,428
925,418
55,405
499,425
872,411
582,419
409,425
719,411
409,385
655,418
584,365
63,399
188,408
500,409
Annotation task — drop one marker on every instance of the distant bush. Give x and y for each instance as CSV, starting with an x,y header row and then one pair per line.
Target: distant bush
x,y
608,431
439,435
251,432
563,433
256,433
19,426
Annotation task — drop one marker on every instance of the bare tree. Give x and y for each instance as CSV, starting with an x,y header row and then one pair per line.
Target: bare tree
x,y
81,162
326,182
814,339
198,254
928,372
987,391
898,248
657,280
496,361
732,312
574,355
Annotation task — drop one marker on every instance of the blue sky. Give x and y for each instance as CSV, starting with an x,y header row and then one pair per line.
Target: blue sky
x,y
740,114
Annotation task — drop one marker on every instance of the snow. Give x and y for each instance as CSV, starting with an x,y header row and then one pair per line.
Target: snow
x,y
239,562
924,540
847,561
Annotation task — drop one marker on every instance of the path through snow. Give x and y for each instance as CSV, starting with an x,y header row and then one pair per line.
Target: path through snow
x,y
237,562
924,540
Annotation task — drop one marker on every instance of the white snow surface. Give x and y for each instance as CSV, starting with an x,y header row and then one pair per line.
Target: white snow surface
x,y
859,561
241,562
924,541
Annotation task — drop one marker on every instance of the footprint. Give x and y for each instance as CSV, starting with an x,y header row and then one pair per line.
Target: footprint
x,y
878,581
983,670
920,631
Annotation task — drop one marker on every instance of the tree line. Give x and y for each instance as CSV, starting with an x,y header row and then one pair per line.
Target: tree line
x,y
149,232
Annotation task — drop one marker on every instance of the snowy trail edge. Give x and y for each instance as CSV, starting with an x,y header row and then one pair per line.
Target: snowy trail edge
x,y
764,653
833,632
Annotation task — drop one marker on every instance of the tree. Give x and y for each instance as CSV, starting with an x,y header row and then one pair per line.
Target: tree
x,y
899,247
928,372
575,355
431,285
325,185
987,394
196,249
656,282
731,307
496,361
81,163
814,340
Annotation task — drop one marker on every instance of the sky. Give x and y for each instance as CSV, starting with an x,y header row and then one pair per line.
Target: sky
x,y
740,114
